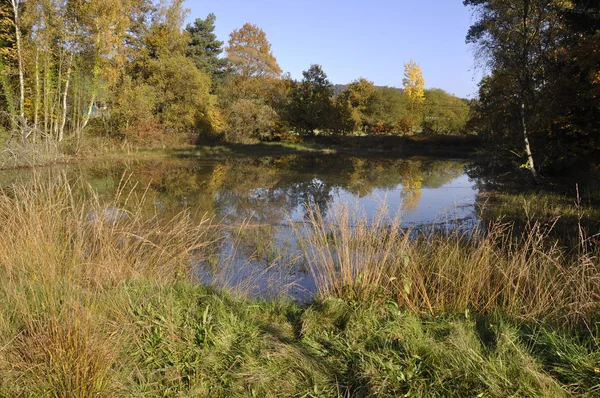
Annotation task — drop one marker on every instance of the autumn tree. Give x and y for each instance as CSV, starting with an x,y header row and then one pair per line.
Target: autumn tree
x,y
251,93
165,37
249,121
184,100
517,40
249,53
99,32
414,83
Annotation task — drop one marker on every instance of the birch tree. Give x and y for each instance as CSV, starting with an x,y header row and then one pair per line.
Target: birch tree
x,y
515,39
414,83
16,5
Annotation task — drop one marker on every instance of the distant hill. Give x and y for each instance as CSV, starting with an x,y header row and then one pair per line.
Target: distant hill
x,y
340,88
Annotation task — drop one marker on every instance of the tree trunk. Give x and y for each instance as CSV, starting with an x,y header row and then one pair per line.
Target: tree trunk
x,y
96,73
45,96
61,130
37,95
55,106
530,164
88,114
15,6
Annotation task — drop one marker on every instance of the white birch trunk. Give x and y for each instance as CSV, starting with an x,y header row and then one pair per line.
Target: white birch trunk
x,y
530,164
15,6
61,129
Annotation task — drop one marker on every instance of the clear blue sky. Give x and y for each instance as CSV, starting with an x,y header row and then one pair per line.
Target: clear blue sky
x,y
358,38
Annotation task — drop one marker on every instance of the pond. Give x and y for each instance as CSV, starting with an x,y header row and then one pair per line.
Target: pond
x,y
268,195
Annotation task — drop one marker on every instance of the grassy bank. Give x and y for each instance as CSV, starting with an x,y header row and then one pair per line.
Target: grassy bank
x,y
438,145
443,146
97,302
46,153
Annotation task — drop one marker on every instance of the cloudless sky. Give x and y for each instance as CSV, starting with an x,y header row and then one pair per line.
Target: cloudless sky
x,y
353,38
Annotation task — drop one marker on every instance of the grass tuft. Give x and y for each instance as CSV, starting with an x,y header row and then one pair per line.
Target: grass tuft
x,y
526,276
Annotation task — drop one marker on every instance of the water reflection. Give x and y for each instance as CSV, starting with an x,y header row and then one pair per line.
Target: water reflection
x,y
269,192
266,189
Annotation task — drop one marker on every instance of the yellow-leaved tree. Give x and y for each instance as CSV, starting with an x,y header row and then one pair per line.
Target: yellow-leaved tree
x,y
249,52
414,83
252,93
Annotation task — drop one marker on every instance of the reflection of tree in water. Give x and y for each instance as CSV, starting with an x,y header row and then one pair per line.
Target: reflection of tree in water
x,y
261,190
270,205
411,193
413,175
314,194
265,189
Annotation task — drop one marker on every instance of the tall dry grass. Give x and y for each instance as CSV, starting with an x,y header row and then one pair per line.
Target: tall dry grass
x,y
66,262
525,275
17,155
96,300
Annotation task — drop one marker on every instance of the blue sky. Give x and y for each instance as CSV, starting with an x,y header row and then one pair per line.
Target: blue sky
x,y
352,39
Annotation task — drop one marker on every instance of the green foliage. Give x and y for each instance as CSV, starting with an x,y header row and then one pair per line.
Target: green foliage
x,y
135,102
136,324
249,121
444,113
8,95
361,95
311,106
387,110
204,48
390,105
342,120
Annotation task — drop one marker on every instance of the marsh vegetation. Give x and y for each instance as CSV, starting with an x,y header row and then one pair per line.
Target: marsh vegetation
x,y
165,300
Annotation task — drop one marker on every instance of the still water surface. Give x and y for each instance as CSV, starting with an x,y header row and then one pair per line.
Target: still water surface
x,y
271,194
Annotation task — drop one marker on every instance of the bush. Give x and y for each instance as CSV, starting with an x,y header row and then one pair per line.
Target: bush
x,y
249,121
405,125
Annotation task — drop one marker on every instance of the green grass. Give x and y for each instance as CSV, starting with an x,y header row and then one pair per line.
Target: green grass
x,y
394,146
526,275
186,340
92,307
542,206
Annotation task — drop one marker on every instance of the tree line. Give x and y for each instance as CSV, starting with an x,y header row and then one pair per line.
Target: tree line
x,y
130,69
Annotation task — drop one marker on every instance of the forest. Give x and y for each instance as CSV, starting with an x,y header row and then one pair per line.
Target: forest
x,y
133,71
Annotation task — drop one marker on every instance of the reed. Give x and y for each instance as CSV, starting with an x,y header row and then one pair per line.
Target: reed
x,y
69,267
525,275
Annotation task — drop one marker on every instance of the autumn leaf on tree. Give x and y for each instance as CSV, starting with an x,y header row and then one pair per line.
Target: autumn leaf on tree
x,y
249,52
414,83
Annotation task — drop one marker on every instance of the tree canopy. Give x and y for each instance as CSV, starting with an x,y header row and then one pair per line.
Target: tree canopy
x,y
249,53
204,48
541,94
